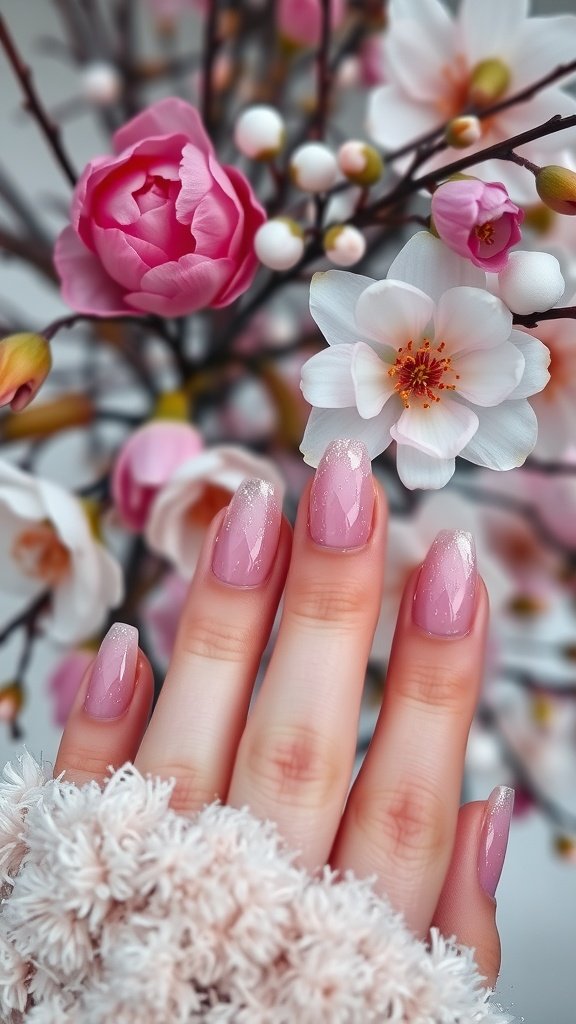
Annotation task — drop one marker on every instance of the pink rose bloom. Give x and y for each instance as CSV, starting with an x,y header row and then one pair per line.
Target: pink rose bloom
x,y
64,682
161,227
146,462
300,21
478,220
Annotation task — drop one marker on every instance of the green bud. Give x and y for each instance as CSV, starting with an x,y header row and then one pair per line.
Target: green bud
x,y
488,82
556,187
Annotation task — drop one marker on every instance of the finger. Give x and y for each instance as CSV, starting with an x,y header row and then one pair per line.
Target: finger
x,y
198,720
296,755
467,908
400,820
110,711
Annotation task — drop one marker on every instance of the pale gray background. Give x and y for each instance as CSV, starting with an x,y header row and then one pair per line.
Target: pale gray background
x,y
537,896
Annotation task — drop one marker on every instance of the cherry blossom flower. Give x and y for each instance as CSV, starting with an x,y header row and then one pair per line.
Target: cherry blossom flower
x,y
47,547
437,65
199,488
478,220
427,358
555,406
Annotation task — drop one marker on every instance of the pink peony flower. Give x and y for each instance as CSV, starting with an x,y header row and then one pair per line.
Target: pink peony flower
x,y
161,227
146,462
64,682
300,21
478,220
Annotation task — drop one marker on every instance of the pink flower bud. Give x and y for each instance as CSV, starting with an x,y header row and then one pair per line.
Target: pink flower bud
x,y
146,462
478,220
64,682
25,362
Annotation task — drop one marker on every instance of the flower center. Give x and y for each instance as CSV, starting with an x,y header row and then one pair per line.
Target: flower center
x,y
41,555
485,232
210,502
420,372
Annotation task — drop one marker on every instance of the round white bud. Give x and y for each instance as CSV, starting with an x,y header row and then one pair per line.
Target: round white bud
x,y
101,84
313,167
344,245
279,243
531,282
360,162
259,132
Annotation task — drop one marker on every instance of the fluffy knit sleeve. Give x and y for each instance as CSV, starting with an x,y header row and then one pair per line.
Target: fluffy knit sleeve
x,y
117,910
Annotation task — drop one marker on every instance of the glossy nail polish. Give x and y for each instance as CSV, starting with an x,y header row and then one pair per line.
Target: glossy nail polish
x,y
247,541
445,596
113,677
342,497
494,837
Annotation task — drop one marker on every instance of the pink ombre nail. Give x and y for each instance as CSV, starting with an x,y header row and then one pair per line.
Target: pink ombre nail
x,y
494,837
342,496
246,544
114,674
445,596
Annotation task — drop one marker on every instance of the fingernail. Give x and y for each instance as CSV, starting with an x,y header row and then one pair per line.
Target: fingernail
x,y
445,596
247,541
494,837
114,674
342,496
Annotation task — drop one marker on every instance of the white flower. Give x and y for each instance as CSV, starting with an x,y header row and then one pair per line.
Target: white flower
x,y
198,490
555,407
431,60
47,546
531,282
427,358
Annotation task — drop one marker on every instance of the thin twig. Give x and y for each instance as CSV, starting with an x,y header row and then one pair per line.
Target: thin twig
x,y
25,211
27,249
323,76
208,56
557,313
23,73
30,614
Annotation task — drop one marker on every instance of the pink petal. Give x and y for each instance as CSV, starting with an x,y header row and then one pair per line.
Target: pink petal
x,y
86,287
179,288
118,258
169,116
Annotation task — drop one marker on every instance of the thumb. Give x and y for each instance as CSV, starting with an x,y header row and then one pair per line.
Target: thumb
x,y
467,908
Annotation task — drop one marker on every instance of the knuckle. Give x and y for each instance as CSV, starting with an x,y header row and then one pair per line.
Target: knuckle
x,y
190,791
323,601
214,639
407,825
296,767
82,763
436,686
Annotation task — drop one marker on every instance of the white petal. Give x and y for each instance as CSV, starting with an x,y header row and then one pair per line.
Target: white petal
x,y
333,298
505,437
394,119
372,384
416,469
537,361
542,45
414,63
442,430
468,318
489,28
531,281
327,379
432,267
393,312
487,378
430,14
326,425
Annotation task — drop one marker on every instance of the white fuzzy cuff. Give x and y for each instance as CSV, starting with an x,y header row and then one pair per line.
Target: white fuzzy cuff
x,y
117,910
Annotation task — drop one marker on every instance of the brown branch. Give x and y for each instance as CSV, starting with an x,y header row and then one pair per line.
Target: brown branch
x,y
23,73
26,618
28,250
208,55
557,313
323,73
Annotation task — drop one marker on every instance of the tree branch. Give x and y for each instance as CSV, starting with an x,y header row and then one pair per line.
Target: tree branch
x,y
208,55
557,313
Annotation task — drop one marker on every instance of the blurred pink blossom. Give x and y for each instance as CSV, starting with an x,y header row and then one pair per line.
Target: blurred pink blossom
x,y
161,613
555,406
478,220
146,462
300,21
160,227
64,682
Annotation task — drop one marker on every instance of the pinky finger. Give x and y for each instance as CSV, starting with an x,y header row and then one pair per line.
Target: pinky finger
x,y
467,908
111,710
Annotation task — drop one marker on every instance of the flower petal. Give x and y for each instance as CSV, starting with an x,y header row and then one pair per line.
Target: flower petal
x,y
326,425
393,313
372,383
490,28
86,287
537,360
181,287
413,62
170,116
442,430
469,318
417,470
505,437
431,266
333,298
327,380
542,45
394,119
488,377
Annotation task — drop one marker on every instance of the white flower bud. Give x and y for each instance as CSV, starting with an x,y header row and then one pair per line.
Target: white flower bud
x,y
279,243
531,282
101,84
344,245
259,132
360,162
313,167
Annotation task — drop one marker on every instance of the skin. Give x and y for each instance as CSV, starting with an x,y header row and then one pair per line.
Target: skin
x,y
291,758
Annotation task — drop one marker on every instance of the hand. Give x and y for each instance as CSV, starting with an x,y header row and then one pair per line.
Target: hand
x,y
292,757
